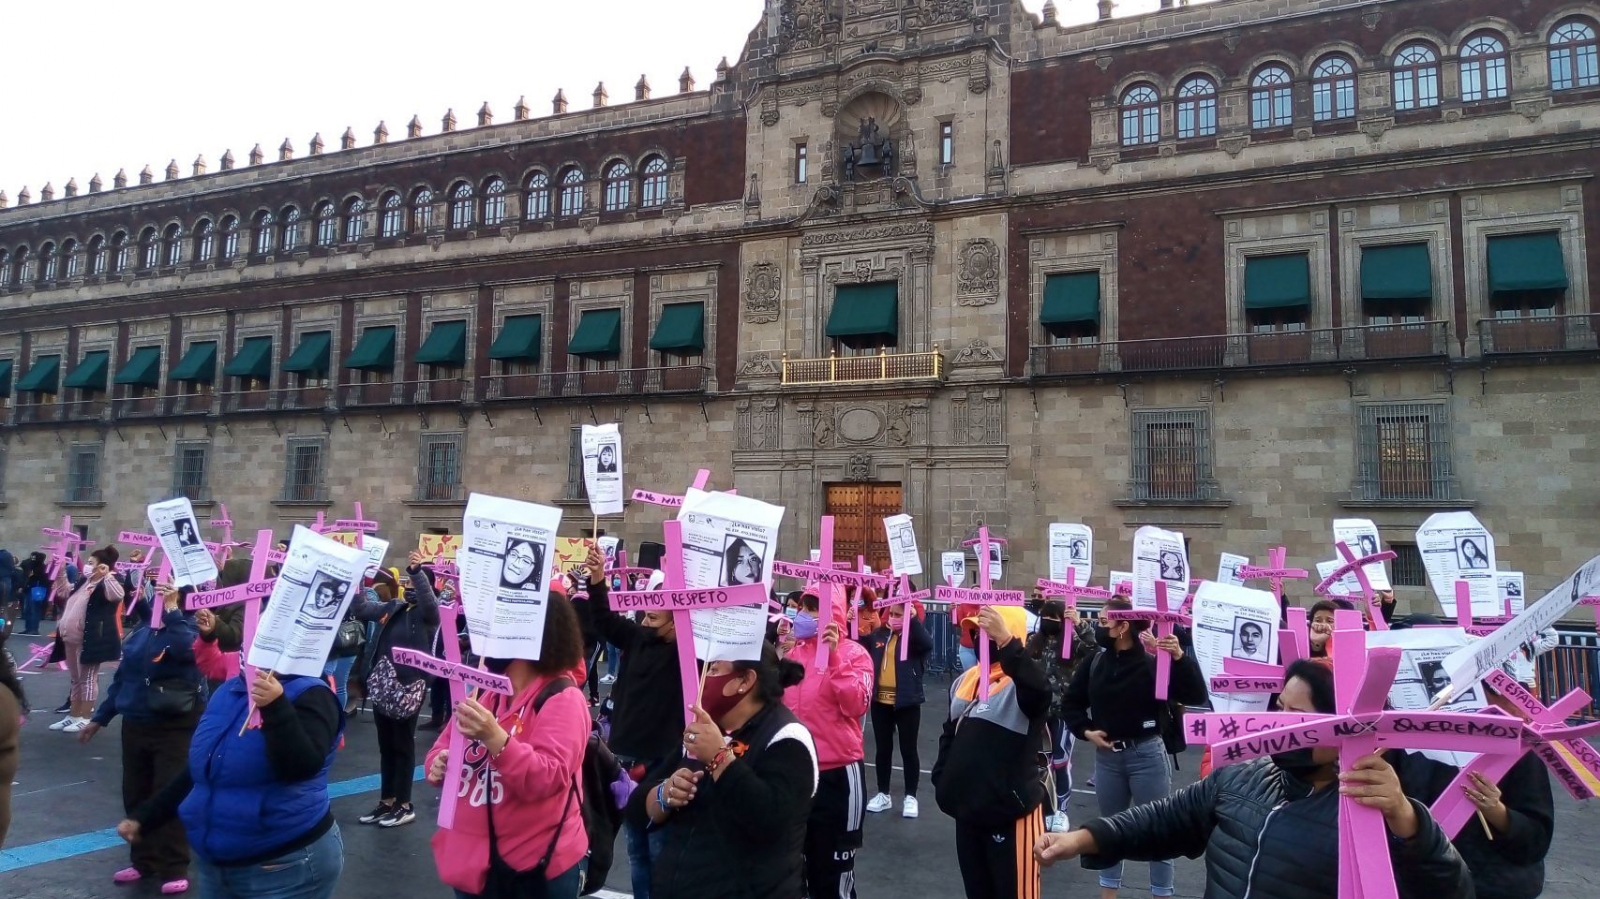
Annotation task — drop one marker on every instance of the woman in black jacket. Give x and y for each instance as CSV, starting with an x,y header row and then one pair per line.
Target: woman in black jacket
x,y
1269,828
1056,622
897,698
89,633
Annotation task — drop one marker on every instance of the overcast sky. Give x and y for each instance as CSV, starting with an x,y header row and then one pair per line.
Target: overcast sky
x,y
98,85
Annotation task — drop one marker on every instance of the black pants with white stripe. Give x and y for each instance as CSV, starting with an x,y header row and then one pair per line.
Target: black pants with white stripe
x,y
833,833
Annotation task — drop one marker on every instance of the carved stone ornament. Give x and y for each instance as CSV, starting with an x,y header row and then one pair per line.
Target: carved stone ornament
x,y
761,291
979,274
912,230
758,365
978,352
822,427
1375,129
757,427
859,467
800,24
863,270
939,12
1233,146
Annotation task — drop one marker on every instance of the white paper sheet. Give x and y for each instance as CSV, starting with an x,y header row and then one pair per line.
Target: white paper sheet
x,y
179,532
1361,535
506,559
728,540
1071,546
1456,546
602,468
1512,586
903,556
1228,569
1422,675
318,579
1240,623
609,547
997,563
954,567
1159,555
1471,663
377,549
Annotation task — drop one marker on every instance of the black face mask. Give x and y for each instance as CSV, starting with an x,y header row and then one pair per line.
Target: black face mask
x,y
497,666
1103,637
1297,762
1050,627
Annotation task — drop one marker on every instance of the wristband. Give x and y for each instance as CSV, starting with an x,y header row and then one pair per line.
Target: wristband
x,y
661,796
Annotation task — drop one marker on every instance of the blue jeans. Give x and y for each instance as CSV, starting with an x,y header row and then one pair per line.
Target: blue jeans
x,y
308,873
32,611
1128,778
339,670
562,886
644,847
968,657
613,660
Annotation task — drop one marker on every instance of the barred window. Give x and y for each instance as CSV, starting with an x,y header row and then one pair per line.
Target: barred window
x,y
83,474
1574,56
654,185
393,219
577,488
302,480
1141,116
1172,456
1484,69
1416,77
1271,98
439,468
536,202
494,201
1405,452
189,471
1333,89
1197,107
1407,570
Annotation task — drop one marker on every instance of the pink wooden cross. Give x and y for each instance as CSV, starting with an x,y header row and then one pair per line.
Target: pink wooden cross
x,y
225,523
823,573
1070,594
701,479
1369,597
1243,676
1594,603
359,524
985,595
1274,571
1477,627
901,595
251,593
1164,622
66,540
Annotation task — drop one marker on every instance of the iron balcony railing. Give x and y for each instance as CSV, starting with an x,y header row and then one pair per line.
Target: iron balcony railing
x,y
1416,340
164,404
1539,334
884,366
619,382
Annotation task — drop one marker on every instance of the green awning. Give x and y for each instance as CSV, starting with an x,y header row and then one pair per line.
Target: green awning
x,y
199,365
1070,299
374,351
143,370
1277,282
446,345
518,340
599,335
1527,262
5,377
42,377
91,372
862,313
254,360
681,330
310,358
1399,272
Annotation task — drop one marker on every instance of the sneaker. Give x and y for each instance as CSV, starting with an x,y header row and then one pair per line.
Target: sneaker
x,y
77,725
402,815
908,809
880,803
64,708
609,679
1057,823
378,813
127,875
62,724
174,887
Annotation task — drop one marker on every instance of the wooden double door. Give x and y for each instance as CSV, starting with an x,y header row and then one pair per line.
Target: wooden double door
x,y
858,512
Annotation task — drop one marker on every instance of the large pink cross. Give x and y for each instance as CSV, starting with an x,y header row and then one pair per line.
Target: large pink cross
x,y
985,595
671,501
1069,593
1275,571
1164,621
66,540
823,573
223,522
251,593
359,524
1369,597
901,595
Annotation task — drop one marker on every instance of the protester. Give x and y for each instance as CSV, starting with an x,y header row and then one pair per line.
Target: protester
x,y
1269,828
831,703
1111,703
735,814
347,646
519,822
13,709
897,698
222,628
89,633
159,692
989,775
1321,628
1058,622
10,578
254,800
35,592
961,615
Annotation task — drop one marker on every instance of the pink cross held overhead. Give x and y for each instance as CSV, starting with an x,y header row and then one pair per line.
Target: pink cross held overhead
x,y
1241,676
701,479
1274,571
66,540
1360,727
225,524
823,573
1070,594
1477,627
1164,621
900,594
984,595
359,524
459,676
1369,596
251,592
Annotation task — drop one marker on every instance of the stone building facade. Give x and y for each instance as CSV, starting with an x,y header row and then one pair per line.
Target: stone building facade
x,y
1236,268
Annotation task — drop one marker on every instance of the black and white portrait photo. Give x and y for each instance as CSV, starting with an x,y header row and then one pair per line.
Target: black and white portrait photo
x,y
607,463
523,565
1368,545
1078,550
187,535
1172,567
1470,554
1514,589
1249,640
322,601
907,539
743,561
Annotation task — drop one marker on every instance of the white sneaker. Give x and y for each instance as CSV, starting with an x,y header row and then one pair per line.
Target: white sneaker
x,y
62,724
880,803
908,809
608,679
77,725
1057,823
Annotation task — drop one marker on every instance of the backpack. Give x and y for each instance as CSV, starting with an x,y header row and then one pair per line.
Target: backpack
x,y
601,817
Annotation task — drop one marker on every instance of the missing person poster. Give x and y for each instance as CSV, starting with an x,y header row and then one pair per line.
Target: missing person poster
x,y
1455,546
1512,585
1228,568
1422,675
1071,548
610,547
1232,622
903,556
507,559
602,468
954,567
315,586
376,548
179,533
1159,555
1361,535
728,540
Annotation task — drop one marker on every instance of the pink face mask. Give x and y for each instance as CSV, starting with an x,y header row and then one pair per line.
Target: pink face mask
x,y
897,624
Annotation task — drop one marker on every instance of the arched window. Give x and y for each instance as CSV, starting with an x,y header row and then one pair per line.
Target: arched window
x,y
494,201
393,219
422,211
290,230
619,186
461,206
1141,115
1416,77
97,255
1333,89
355,219
1271,98
69,255
572,192
326,223
5,269
172,244
149,249
1484,69
536,197
22,268
1197,107
230,238
119,252
205,240
1574,56
263,233
47,263
653,188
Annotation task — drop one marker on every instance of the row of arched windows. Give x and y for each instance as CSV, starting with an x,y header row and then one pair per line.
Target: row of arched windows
x,y
329,225
1483,73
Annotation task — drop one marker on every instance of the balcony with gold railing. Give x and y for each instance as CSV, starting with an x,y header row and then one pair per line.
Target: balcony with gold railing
x,y
865,369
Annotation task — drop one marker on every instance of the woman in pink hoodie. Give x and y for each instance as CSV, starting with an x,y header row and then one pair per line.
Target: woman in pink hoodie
x,y
519,818
831,702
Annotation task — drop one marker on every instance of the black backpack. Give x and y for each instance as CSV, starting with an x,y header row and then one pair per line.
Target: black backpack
x,y
601,817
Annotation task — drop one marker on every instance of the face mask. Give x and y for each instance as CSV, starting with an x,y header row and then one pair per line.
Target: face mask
x,y
897,624
1102,636
1050,627
712,700
790,612
1296,761
805,626
497,666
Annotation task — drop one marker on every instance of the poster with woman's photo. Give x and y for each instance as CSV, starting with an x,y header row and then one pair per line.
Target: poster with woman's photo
x,y
1159,555
602,468
1239,623
997,564
1455,546
179,533
728,540
1071,547
1361,535
315,586
903,556
954,567
609,548
506,558
1422,675
1512,586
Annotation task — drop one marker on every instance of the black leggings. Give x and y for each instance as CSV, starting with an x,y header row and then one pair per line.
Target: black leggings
x,y
397,756
886,719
